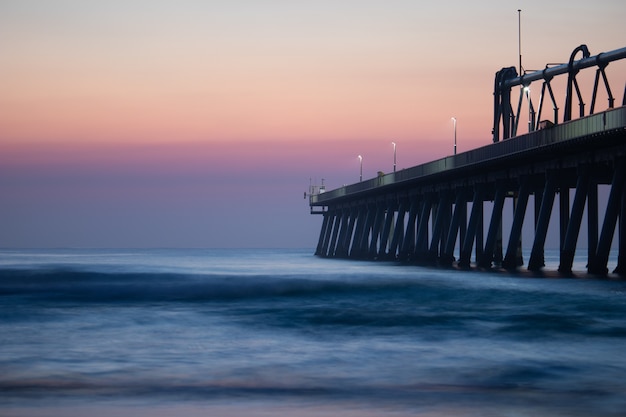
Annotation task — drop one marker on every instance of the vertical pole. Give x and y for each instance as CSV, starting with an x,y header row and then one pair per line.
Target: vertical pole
x,y
519,38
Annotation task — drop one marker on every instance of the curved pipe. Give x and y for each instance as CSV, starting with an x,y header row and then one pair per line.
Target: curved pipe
x,y
603,58
571,80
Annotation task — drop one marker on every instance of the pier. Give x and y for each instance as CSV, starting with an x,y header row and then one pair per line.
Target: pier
x,y
450,211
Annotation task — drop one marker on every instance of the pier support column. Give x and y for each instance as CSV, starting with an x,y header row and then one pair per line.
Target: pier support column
x,y
442,217
421,243
477,210
511,257
458,216
494,227
563,212
573,227
480,232
331,214
462,222
536,261
592,221
621,254
376,226
408,244
385,237
320,241
345,220
398,231
355,247
610,220
333,240
363,242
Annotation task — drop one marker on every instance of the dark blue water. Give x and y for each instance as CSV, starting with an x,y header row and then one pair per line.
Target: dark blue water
x,y
267,332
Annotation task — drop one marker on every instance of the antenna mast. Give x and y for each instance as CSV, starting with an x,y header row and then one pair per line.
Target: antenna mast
x,y
519,38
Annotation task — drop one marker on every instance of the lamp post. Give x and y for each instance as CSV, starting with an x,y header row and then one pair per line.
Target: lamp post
x,y
361,168
394,156
454,120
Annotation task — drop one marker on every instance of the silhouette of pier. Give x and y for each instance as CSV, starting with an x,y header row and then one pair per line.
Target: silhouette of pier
x,y
450,211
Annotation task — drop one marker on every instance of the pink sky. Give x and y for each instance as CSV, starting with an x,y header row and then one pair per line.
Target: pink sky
x,y
191,123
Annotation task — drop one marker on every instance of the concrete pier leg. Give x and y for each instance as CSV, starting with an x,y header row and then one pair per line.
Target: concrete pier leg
x,y
327,233
621,255
511,257
563,213
494,226
573,227
320,241
335,235
477,211
408,244
592,221
358,232
387,230
441,218
376,226
480,231
536,261
460,208
398,231
345,219
421,243
363,243
463,222
610,220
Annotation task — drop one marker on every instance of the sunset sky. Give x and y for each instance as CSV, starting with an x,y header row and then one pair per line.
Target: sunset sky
x,y
188,123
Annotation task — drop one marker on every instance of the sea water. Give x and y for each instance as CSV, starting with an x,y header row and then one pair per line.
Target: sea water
x,y
282,332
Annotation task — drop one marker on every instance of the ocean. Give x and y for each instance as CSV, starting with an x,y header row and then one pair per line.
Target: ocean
x,y
206,332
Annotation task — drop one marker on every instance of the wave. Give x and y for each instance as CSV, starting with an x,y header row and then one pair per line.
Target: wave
x,y
76,285
346,302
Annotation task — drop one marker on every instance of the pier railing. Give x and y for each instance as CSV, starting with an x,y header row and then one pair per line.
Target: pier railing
x,y
586,127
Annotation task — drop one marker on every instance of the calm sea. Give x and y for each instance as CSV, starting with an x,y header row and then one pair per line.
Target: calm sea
x,y
281,332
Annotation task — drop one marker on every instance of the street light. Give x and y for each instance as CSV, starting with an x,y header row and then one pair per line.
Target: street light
x,y
454,120
394,156
361,169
